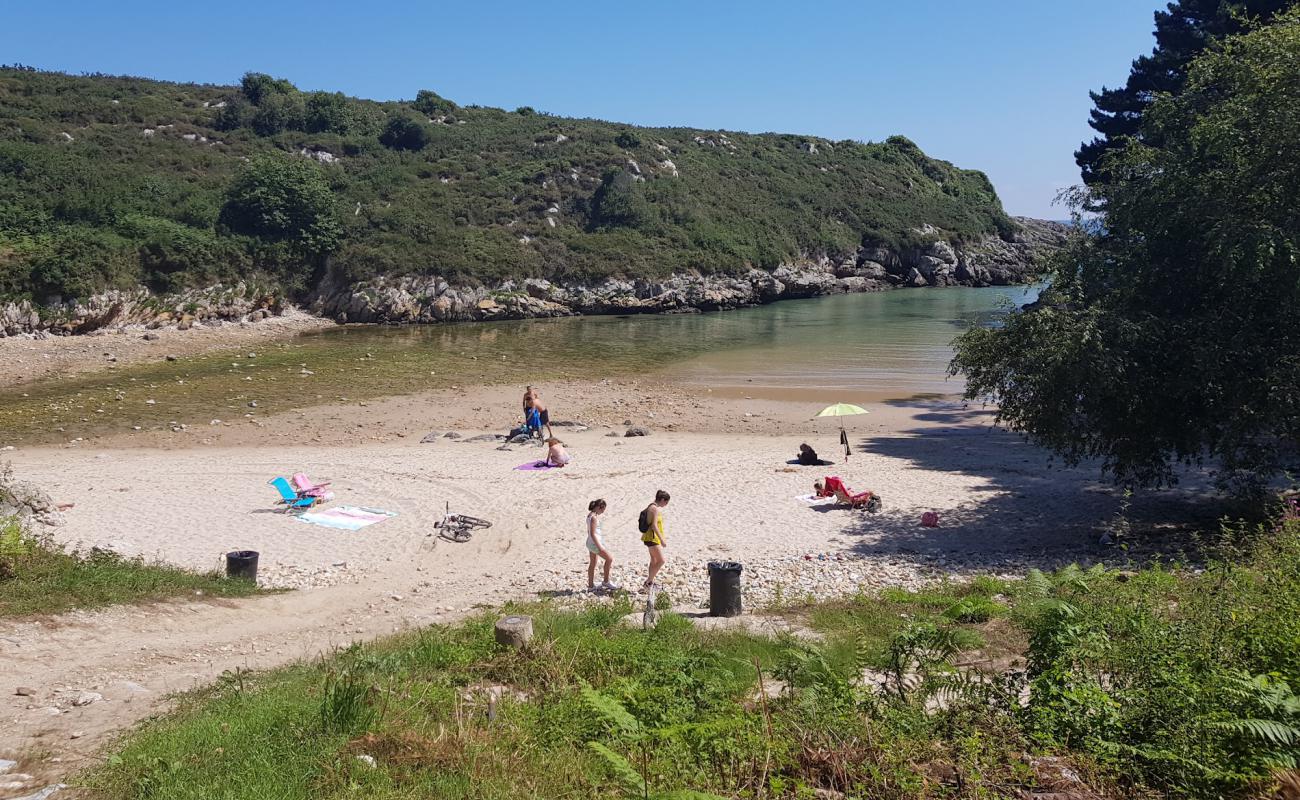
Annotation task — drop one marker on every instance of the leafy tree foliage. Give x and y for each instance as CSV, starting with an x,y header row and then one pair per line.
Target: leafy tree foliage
x,y
1183,31
258,86
405,132
236,114
618,201
327,112
1173,329
278,112
280,199
431,104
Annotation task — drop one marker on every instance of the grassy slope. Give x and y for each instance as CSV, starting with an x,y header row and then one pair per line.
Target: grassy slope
x,y
113,207
39,578
1151,683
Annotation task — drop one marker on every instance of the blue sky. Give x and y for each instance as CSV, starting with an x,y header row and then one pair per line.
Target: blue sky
x,y
1000,86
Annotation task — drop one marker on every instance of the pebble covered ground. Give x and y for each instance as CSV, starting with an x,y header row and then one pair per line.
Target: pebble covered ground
x,y
772,582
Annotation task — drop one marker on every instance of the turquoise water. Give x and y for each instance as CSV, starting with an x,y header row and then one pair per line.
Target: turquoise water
x,y
890,344
887,344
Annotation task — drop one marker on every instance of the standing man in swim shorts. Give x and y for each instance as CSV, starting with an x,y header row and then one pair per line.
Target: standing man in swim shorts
x,y
543,416
651,524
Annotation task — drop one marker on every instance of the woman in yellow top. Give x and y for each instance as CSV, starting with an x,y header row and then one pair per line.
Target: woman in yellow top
x,y
651,525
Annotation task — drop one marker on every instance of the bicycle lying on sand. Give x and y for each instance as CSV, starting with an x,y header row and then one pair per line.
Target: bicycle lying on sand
x,y
459,527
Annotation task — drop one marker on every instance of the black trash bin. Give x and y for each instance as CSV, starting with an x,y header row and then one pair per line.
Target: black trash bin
x,y
724,589
242,564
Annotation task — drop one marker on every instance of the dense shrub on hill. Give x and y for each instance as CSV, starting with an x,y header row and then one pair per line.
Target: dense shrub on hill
x,y
405,132
279,199
111,182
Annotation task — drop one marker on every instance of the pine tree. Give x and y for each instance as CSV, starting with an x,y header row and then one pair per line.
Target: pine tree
x,y
1183,31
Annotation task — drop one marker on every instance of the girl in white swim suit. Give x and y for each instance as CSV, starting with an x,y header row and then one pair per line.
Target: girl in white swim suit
x,y
596,549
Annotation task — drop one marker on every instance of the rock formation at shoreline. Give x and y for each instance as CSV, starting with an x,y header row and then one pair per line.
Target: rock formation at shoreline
x,y
433,299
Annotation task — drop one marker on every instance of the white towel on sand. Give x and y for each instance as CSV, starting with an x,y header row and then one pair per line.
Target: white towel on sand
x,y
814,500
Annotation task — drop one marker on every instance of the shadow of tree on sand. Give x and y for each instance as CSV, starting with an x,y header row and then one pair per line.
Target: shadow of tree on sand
x,y
1027,509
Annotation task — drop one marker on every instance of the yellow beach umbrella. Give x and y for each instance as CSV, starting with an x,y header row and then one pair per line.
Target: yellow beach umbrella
x,y
843,410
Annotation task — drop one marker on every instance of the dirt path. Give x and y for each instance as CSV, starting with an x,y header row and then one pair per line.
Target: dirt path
x,y
128,660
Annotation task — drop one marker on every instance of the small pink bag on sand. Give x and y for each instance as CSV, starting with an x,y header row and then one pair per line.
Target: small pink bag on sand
x,y
930,519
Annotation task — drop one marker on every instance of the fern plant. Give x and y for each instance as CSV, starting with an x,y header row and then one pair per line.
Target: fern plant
x,y
1267,735
974,609
919,653
628,729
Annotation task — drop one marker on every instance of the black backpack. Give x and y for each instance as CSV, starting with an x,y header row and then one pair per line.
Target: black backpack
x,y
643,521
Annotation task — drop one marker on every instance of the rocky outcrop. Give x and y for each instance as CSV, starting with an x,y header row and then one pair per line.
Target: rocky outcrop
x,y
433,299
140,307
430,299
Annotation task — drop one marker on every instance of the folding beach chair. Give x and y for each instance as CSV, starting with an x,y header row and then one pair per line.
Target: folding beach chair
x,y
289,498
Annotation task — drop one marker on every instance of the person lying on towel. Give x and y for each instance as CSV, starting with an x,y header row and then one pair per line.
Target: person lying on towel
x,y
834,487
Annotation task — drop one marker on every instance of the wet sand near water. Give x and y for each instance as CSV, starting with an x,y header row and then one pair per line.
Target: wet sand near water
x,y
25,360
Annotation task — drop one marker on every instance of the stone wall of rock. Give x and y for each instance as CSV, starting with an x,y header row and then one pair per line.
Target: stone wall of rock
x,y
140,307
433,299
430,299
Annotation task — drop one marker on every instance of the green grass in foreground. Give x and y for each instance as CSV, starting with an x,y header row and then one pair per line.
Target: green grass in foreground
x,y
1164,682
38,577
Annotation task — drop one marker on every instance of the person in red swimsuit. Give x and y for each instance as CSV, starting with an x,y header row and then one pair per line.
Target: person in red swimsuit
x,y
834,487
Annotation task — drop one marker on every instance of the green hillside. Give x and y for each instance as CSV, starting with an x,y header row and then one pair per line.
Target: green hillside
x,y
112,182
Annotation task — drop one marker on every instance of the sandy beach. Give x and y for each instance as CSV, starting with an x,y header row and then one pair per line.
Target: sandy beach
x,y
189,495
735,496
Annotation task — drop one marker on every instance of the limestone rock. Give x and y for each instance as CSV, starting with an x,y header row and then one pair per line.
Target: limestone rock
x,y
25,500
323,156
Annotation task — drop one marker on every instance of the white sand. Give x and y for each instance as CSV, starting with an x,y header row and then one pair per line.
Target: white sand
x,y
731,497
185,502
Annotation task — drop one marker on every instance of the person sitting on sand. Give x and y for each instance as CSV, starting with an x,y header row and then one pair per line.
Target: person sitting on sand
x,y
808,456
834,487
651,525
596,548
556,456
